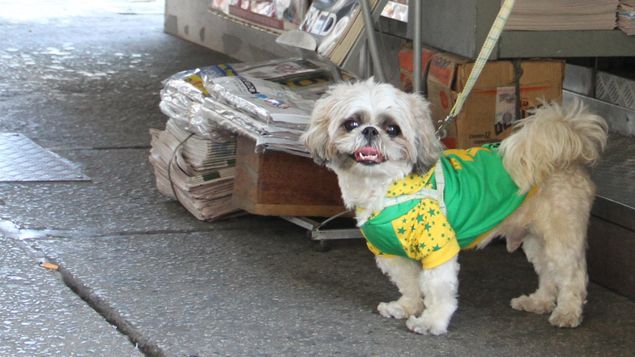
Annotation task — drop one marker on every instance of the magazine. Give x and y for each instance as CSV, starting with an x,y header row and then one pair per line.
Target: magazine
x,y
396,10
328,21
273,14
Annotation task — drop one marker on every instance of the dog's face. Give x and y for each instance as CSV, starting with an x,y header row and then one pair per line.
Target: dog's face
x,y
372,130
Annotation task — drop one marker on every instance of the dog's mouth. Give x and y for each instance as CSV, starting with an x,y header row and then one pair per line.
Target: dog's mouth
x,y
368,156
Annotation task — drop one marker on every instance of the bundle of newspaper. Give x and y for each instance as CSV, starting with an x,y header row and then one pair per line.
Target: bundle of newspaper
x,y
197,171
194,157
272,114
626,17
541,15
270,102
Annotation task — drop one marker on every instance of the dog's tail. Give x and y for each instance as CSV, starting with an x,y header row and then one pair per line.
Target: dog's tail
x,y
553,139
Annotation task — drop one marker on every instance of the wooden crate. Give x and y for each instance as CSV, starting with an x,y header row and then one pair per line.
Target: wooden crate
x,y
280,184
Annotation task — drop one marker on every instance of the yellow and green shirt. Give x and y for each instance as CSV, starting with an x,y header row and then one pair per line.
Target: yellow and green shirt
x,y
452,206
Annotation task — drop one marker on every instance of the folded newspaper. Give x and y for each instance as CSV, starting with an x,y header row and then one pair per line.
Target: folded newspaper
x,y
194,157
267,101
270,102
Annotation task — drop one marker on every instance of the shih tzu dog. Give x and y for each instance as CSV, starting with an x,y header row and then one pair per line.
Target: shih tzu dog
x,y
418,205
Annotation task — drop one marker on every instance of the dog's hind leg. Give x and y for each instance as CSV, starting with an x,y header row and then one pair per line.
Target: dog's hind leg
x,y
439,286
567,257
404,273
561,221
543,300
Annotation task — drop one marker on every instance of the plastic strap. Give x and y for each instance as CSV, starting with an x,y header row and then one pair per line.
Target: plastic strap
x,y
438,176
426,192
175,152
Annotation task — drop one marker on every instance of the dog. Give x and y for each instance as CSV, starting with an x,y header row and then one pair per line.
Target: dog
x,y
418,204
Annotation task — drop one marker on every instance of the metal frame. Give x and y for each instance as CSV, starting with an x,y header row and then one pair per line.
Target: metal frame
x,y
416,44
316,231
372,39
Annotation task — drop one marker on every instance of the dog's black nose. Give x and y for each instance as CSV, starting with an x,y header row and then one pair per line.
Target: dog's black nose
x,y
370,132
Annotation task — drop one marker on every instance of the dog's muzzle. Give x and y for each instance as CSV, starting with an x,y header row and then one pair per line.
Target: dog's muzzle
x,y
368,156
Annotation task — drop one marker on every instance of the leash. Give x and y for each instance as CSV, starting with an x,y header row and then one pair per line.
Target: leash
x,y
481,60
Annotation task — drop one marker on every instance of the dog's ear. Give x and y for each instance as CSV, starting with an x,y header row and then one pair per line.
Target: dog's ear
x,y
316,138
428,146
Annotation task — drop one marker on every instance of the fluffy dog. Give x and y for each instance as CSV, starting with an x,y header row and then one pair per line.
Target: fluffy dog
x,y
421,204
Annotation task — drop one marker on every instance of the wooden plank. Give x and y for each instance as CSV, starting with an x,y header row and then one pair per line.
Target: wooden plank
x,y
280,184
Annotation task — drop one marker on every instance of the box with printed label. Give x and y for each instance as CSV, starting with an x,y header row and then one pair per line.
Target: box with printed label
x,y
506,91
406,64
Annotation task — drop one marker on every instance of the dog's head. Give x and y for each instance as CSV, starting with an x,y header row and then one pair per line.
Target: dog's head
x,y
372,129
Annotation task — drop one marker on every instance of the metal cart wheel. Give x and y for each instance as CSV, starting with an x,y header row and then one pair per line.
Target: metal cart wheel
x,y
322,246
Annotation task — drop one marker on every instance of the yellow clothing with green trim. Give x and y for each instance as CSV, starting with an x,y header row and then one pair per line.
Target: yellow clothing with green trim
x,y
475,192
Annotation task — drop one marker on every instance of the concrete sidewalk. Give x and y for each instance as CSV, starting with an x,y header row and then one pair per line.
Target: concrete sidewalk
x,y
86,87
41,316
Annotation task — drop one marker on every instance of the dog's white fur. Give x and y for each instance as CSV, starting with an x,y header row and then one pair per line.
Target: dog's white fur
x,y
550,150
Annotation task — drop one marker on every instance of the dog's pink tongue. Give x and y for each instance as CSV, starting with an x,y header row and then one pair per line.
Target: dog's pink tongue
x,y
368,154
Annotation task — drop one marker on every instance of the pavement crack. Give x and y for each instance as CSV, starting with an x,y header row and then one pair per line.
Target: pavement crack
x,y
136,337
13,230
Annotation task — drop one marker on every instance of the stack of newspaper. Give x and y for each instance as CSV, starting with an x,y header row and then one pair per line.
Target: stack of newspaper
x,y
197,171
269,102
541,15
626,17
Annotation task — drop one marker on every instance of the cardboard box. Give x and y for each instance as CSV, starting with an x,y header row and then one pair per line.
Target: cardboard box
x,y
280,184
490,109
406,64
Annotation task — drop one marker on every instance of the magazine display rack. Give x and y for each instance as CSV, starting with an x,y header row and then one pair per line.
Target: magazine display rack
x,y
451,26
308,47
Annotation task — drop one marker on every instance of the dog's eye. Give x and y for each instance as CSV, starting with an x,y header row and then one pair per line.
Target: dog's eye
x,y
351,124
393,130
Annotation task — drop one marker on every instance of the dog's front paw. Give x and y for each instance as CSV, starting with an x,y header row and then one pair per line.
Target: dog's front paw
x,y
392,310
566,318
426,325
533,304
400,309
